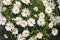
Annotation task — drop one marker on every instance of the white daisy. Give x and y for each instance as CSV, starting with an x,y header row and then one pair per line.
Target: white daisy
x,y
41,15
31,21
14,31
20,37
2,20
51,5
32,38
25,33
51,25
52,18
18,20
17,4
48,10
57,18
54,31
39,35
45,2
15,10
25,12
24,23
26,1
6,2
41,22
9,26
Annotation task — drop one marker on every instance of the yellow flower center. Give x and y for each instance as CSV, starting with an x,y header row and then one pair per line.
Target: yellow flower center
x,y
48,9
16,10
10,26
51,5
26,33
18,20
3,21
21,37
41,14
25,0
7,2
30,22
26,12
14,30
16,4
40,22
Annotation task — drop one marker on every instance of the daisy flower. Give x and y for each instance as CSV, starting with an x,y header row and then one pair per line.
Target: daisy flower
x,y
20,37
39,35
15,10
51,25
9,26
17,4
32,38
48,10
14,31
25,33
7,2
52,5
24,23
26,1
2,20
41,15
41,22
45,2
54,31
18,20
25,12
4,8
31,21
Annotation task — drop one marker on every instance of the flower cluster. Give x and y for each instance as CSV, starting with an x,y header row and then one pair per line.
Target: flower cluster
x,y
25,20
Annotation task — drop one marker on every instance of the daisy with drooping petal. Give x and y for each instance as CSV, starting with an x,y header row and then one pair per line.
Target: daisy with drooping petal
x,y
18,20
41,15
26,1
31,22
25,33
24,23
25,12
17,4
14,31
2,20
41,22
9,26
15,10
20,37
